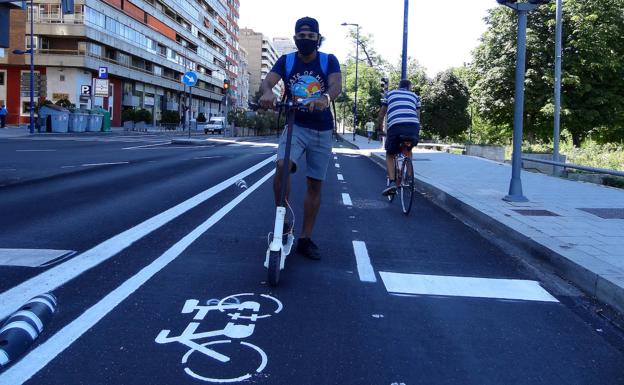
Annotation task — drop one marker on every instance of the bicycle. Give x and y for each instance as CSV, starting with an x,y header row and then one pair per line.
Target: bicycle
x,y
281,245
404,174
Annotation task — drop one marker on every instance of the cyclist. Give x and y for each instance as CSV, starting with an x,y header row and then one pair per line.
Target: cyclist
x,y
403,109
314,79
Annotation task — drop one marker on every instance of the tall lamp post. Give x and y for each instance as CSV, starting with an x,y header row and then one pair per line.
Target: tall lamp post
x,y
558,57
357,60
522,8
404,56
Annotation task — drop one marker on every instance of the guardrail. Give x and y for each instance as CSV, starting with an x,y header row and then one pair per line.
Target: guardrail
x,y
576,166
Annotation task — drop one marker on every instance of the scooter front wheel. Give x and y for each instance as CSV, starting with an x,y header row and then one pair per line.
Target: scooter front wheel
x,y
274,267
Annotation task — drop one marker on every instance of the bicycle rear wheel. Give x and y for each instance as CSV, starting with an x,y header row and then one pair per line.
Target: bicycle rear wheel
x,y
274,267
407,185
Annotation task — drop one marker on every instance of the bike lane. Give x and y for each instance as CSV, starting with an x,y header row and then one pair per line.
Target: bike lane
x,y
331,327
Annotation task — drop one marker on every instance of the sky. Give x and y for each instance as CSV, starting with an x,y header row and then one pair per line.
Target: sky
x,y
442,33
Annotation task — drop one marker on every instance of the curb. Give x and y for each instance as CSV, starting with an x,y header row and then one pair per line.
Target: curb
x,y
591,283
196,142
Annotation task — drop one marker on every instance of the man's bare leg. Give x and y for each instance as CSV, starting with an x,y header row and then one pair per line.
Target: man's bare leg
x,y
311,205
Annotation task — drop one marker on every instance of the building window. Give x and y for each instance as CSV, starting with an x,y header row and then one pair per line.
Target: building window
x,y
61,78
95,49
2,78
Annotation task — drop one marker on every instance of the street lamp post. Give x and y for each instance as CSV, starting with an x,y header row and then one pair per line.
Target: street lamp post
x,y
515,185
404,56
357,59
558,57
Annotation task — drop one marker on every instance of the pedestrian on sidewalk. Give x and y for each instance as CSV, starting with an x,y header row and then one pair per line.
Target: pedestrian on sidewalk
x,y
312,78
3,115
370,128
403,109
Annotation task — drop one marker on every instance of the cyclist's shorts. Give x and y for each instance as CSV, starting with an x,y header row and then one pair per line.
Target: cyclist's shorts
x,y
316,145
393,141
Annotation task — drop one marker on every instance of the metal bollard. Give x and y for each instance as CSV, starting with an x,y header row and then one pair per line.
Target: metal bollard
x,y
21,329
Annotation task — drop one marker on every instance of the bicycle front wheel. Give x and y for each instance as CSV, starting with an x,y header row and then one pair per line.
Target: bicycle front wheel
x,y
407,185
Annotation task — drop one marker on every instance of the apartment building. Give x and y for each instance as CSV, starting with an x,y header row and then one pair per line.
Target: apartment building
x,y
242,95
284,45
261,56
146,46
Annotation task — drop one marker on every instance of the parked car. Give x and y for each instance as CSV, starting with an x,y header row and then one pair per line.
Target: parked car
x,y
216,125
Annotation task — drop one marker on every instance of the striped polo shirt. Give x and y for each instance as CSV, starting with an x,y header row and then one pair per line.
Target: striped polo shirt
x,y
403,107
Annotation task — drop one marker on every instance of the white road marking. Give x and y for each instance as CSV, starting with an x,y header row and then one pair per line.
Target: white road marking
x,y
8,169
36,360
335,158
465,287
146,146
35,150
340,177
346,199
365,269
69,166
52,278
337,165
29,257
102,164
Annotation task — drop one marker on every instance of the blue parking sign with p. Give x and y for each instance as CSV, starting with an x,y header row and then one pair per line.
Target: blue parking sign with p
x,y
103,73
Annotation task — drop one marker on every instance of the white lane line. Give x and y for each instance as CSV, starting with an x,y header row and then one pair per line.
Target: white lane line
x,y
465,287
340,177
365,269
346,199
337,165
146,146
102,164
29,257
35,150
36,360
69,166
52,278
335,158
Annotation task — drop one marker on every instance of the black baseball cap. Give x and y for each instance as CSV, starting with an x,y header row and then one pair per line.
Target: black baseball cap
x,y
309,21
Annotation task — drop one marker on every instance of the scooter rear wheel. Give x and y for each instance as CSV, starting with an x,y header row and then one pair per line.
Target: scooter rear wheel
x,y
274,267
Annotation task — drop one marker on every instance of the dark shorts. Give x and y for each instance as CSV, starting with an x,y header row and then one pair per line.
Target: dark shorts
x,y
398,133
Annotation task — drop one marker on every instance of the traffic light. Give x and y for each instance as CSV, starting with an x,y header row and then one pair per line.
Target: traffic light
x,y
67,6
226,85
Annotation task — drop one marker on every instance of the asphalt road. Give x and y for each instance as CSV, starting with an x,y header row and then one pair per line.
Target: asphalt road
x,y
166,285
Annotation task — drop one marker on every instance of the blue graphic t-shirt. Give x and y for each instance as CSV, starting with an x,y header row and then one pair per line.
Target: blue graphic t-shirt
x,y
306,82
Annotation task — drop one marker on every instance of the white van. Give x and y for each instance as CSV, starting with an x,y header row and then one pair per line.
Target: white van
x,y
216,125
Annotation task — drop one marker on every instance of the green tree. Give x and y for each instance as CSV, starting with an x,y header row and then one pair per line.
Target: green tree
x,y
592,78
445,106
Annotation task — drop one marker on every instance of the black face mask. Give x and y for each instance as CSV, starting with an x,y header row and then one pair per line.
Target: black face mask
x,y
306,46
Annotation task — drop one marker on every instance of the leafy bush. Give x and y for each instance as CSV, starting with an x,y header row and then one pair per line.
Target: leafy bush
x,y
201,118
613,181
170,117
127,115
143,115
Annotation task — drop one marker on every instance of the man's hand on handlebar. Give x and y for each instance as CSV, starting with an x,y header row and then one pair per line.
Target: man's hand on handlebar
x,y
267,101
319,104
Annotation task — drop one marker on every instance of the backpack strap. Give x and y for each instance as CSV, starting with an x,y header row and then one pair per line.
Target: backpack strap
x,y
290,63
324,59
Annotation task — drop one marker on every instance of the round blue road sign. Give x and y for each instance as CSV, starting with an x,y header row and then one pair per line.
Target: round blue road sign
x,y
189,78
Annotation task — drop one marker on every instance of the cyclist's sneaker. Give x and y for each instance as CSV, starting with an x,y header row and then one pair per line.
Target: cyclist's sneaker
x,y
390,190
308,249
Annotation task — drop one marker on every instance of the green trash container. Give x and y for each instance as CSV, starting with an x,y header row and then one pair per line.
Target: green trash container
x,y
106,127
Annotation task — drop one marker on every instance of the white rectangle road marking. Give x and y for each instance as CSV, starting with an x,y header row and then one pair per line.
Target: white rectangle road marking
x,y
365,269
50,279
29,257
465,287
37,359
346,199
340,177
337,165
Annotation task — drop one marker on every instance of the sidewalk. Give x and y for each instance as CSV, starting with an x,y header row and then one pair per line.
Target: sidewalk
x,y
577,227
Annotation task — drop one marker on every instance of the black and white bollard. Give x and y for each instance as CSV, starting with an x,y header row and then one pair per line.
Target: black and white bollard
x,y
21,329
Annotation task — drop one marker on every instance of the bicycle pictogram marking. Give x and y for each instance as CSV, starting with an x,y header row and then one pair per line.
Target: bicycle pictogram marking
x,y
242,314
